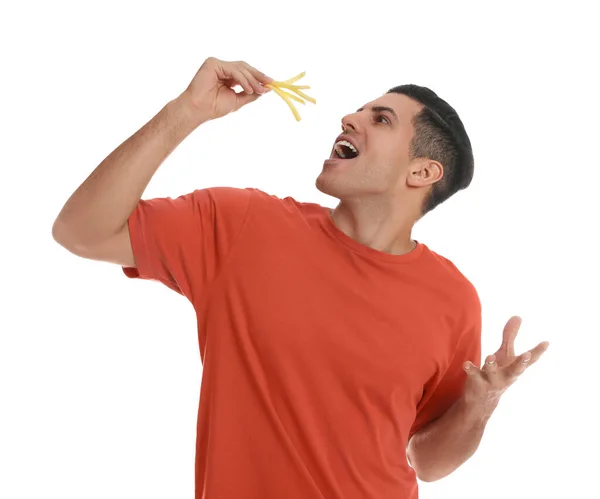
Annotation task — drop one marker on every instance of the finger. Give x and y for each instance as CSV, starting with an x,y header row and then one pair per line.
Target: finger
x,y
261,77
491,366
228,73
519,365
234,76
256,86
509,334
537,352
471,369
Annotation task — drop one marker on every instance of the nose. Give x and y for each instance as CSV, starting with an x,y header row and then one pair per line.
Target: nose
x,y
350,123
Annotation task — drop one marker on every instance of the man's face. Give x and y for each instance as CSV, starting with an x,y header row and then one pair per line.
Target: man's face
x,y
381,132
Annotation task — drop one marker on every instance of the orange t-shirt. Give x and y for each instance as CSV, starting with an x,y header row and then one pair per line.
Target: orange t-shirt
x,y
321,356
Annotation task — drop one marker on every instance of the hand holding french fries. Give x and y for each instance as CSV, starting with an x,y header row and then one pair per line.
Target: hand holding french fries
x,y
211,95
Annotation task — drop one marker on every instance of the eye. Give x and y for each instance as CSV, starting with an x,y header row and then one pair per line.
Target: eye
x,y
380,117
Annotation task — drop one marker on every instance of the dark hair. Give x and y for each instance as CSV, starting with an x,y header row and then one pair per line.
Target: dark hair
x,y
441,136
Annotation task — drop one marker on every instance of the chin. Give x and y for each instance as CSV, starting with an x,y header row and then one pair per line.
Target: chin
x,y
331,187
340,178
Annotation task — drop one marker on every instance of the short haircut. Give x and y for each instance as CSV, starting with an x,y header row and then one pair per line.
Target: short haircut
x,y
440,136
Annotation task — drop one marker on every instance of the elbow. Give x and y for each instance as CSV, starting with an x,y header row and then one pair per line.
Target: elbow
x,y
65,238
434,473
424,477
60,234
425,473
419,471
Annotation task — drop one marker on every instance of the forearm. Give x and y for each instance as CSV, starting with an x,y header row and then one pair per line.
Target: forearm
x,y
101,206
444,445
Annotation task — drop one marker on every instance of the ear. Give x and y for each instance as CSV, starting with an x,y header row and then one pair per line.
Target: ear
x,y
424,172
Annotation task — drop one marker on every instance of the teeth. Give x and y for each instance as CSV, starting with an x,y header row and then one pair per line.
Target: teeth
x,y
340,151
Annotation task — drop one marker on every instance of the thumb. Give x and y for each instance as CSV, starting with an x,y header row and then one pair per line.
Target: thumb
x,y
242,99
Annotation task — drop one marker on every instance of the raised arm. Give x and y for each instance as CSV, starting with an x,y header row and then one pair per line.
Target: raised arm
x,y
93,222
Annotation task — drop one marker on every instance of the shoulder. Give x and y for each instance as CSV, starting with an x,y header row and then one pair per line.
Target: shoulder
x,y
266,202
461,286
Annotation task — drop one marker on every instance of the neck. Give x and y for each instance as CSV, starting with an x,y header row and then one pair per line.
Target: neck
x,y
376,225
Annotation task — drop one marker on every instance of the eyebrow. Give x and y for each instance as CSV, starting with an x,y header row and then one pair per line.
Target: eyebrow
x,y
381,109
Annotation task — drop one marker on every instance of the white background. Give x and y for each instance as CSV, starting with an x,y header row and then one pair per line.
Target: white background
x,y
100,375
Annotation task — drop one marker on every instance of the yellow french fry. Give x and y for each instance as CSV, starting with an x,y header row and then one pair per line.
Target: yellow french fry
x,y
281,91
282,84
284,96
279,86
295,78
306,97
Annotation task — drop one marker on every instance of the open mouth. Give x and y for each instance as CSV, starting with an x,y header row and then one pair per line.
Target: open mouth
x,y
344,150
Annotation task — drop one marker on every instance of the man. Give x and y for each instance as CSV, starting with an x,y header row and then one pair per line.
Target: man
x,y
335,348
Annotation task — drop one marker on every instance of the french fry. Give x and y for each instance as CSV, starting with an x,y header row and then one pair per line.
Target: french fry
x,y
282,84
296,78
282,92
284,96
279,86
305,97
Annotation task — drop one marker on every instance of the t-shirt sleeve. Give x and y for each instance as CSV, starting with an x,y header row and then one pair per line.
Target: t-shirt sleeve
x,y
184,242
442,393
